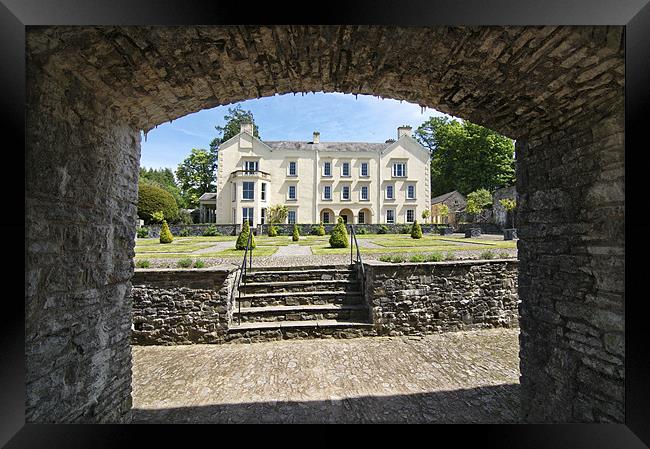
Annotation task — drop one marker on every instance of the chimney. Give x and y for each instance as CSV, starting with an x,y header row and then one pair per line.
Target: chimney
x,y
316,138
247,127
403,130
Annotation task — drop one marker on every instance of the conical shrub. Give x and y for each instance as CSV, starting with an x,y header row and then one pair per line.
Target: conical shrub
x,y
166,235
339,236
321,229
416,230
296,233
243,237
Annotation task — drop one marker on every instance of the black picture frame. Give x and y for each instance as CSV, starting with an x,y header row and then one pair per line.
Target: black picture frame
x,y
634,14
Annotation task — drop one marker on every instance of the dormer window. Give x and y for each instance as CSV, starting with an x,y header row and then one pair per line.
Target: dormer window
x,y
399,170
251,167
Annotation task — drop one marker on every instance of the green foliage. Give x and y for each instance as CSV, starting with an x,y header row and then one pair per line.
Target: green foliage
x,y
211,231
450,255
361,231
466,156
296,233
152,199
504,255
426,213
416,230
142,232
185,232
242,240
434,257
385,258
273,231
444,212
417,258
383,229
165,233
163,178
184,217
405,229
277,213
199,264
142,264
478,201
321,229
339,235
509,205
234,118
158,217
487,255
184,263
398,259
196,175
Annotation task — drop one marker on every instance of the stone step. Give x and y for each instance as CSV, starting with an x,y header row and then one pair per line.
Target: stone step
x,y
302,268
301,275
300,298
311,312
279,330
298,286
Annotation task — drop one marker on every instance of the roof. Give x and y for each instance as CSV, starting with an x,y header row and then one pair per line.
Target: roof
x,y
444,196
207,196
326,146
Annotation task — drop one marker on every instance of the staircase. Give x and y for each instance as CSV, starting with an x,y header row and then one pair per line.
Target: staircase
x,y
290,302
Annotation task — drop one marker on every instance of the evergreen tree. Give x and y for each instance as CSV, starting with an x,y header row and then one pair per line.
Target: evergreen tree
x,y
416,230
242,240
339,236
166,235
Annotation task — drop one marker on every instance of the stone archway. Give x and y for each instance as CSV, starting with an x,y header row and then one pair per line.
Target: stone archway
x,y
329,214
347,215
557,90
364,216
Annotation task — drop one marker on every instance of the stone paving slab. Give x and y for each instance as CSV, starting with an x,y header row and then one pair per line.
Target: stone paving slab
x,y
292,250
461,377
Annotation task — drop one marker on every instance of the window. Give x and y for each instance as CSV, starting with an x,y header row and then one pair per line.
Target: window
x,y
410,215
292,192
345,169
389,192
263,216
247,213
345,193
263,196
327,169
250,167
390,216
362,218
364,169
234,195
399,170
291,217
410,192
326,217
248,191
363,194
327,192
293,168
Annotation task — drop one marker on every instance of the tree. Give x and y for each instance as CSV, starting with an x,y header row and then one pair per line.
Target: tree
x,y
242,240
296,233
152,199
509,205
163,178
478,201
339,235
166,235
197,175
444,212
234,118
277,213
426,213
416,230
466,156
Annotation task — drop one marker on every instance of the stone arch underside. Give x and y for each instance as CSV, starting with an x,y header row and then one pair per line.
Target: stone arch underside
x,y
557,90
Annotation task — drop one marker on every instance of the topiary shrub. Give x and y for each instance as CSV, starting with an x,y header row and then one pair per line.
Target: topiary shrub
x,y
166,235
151,199
273,231
211,231
321,229
142,232
296,233
339,236
383,229
242,240
416,230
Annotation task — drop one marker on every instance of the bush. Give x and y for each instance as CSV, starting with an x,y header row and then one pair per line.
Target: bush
x,y
339,236
450,255
273,231
362,231
199,264
321,229
184,217
184,263
416,230
385,258
487,255
142,264
296,233
151,199
504,255
398,259
211,231
166,235
434,257
417,258
142,232
383,229
242,240
185,232
405,230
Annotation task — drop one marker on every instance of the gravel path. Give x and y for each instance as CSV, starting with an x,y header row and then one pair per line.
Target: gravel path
x,y
459,377
292,250
218,246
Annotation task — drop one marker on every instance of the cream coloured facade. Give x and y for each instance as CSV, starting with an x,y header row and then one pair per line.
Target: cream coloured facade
x,y
319,181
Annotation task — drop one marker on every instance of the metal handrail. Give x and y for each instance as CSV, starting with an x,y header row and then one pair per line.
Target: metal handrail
x,y
243,271
353,239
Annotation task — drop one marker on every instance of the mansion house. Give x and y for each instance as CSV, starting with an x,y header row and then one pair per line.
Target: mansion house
x,y
318,181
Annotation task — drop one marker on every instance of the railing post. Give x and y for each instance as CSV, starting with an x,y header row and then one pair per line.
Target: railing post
x,y
351,231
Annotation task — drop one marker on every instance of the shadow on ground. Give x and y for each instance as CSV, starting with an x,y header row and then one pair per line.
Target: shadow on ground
x,y
491,404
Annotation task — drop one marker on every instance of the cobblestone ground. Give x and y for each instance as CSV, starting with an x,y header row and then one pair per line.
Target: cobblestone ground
x,y
461,377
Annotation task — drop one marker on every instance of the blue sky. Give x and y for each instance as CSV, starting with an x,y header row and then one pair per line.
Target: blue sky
x,y
338,117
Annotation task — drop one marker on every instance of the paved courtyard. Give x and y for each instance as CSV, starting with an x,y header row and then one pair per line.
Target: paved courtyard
x,y
461,377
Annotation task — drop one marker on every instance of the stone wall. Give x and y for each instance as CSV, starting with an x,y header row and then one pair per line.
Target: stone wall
x,y
421,298
306,228
181,306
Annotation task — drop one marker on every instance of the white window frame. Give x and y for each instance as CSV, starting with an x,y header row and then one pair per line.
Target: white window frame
x,y
395,165
295,191
295,217
263,192
409,186
392,188
359,217
367,165
326,164
251,217
295,165
343,198
325,197
243,191
361,198
393,212
328,217
255,164
343,175
406,215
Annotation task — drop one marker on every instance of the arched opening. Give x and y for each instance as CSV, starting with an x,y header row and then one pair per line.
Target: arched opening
x,y
364,216
347,215
557,90
327,216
